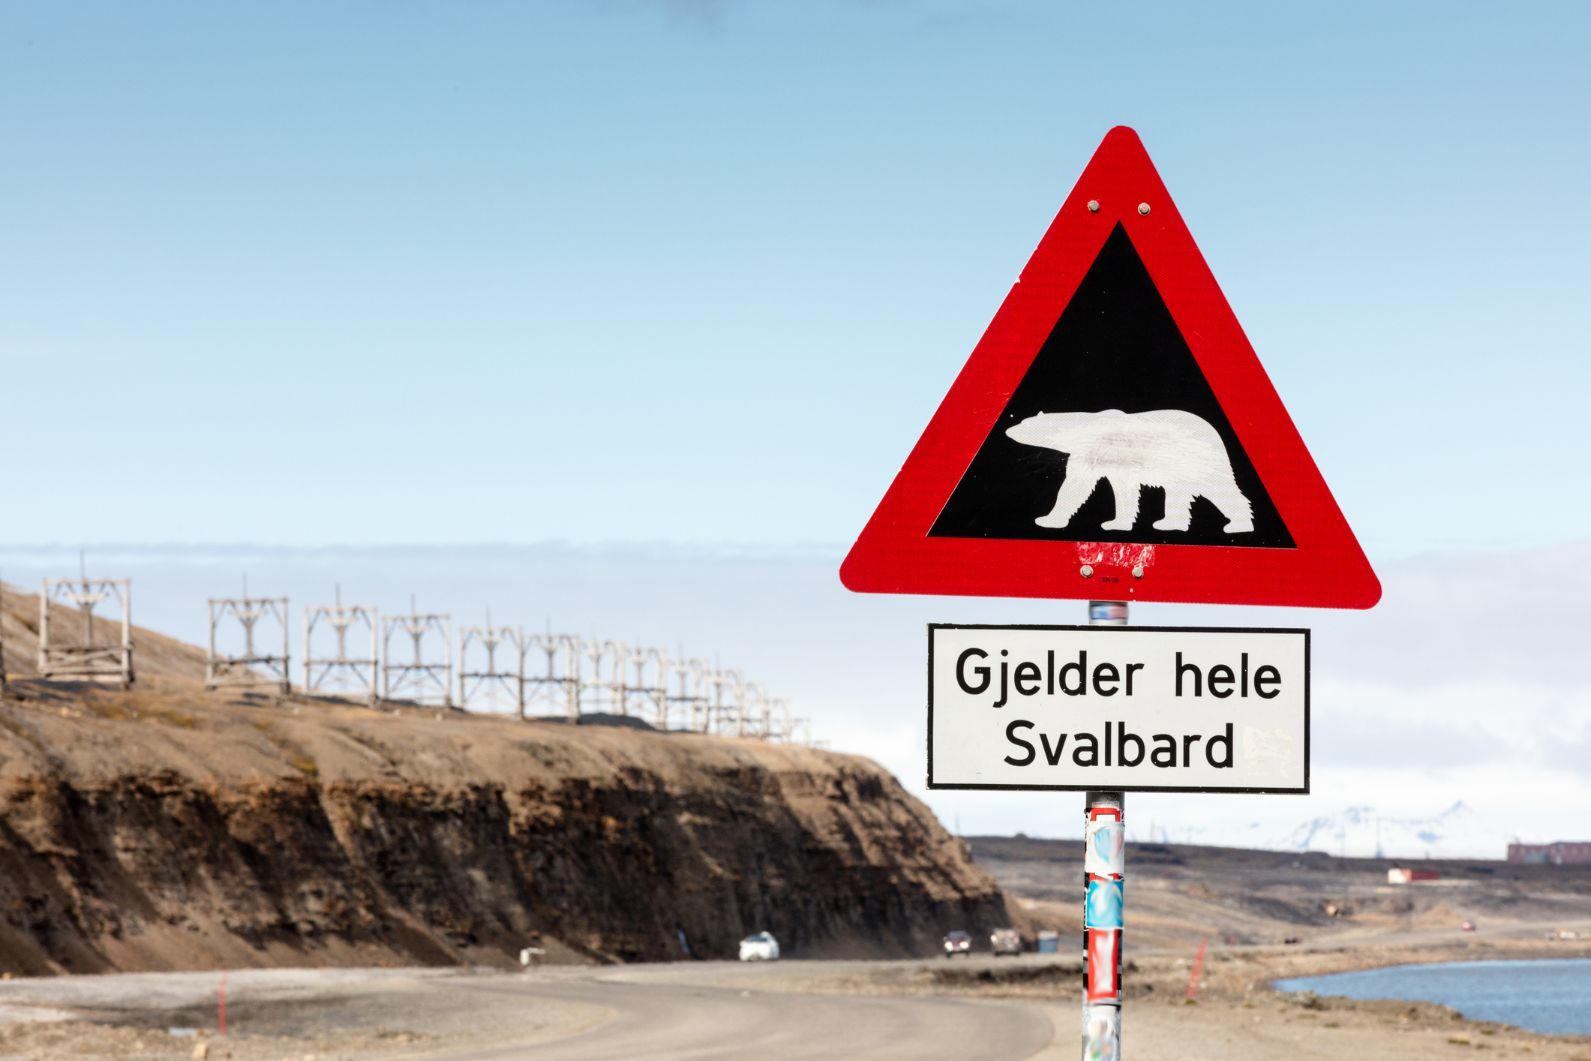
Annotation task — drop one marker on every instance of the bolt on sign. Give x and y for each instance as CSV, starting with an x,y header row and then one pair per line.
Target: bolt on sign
x,y
1113,438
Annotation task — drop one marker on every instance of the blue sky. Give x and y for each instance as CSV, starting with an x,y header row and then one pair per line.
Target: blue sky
x,y
699,272
660,279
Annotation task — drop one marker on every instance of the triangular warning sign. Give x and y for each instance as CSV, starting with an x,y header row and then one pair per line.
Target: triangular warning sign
x,y
1113,436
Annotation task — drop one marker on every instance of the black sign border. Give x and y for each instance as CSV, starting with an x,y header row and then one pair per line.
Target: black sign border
x,y
1120,629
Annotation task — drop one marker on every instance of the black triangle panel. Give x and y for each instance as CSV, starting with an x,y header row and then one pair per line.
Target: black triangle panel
x,y
1120,404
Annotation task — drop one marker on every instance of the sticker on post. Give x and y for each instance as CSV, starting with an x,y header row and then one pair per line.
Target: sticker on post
x,y
1104,843
1102,1033
1102,908
1104,963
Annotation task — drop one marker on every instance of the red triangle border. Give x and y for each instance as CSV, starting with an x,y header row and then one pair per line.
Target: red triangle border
x,y
1326,567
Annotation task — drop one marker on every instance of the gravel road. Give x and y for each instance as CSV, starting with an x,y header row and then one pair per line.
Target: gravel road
x,y
696,1010
789,1009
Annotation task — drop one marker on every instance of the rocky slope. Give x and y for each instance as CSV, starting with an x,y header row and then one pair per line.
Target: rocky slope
x,y
164,827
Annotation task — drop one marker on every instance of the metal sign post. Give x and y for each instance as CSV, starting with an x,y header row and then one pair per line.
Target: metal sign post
x,y
1114,435
1104,865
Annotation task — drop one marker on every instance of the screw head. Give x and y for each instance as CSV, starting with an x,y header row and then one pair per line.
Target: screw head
x,y
1138,571
1087,571
1093,206
1143,208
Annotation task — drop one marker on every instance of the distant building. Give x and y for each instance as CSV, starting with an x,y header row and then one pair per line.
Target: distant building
x,y
1404,875
1562,853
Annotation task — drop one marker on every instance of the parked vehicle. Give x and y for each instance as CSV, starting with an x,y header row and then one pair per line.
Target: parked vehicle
x,y
958,942
1005,941
759,947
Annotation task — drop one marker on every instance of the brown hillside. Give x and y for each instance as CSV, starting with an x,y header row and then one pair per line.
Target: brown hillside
x,y
163,828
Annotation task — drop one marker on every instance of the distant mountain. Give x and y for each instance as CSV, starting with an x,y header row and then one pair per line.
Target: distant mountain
x,y
1361,831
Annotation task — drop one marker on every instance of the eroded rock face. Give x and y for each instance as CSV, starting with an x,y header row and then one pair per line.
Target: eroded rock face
x,y
145,836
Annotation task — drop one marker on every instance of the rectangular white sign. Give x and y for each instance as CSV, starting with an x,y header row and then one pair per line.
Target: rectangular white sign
x,y
1143,708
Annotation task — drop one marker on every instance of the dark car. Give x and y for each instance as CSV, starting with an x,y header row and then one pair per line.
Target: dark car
x,y
1005,941
958,942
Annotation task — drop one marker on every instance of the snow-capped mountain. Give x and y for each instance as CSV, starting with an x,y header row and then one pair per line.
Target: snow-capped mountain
x,y
1361,831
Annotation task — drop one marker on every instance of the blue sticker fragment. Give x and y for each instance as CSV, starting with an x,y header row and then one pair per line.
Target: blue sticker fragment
x,y
1102,908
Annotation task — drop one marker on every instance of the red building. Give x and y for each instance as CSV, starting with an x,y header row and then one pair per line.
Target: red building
x,y
1405,875
1577,853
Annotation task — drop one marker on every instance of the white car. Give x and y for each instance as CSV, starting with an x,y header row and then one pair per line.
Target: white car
x,y
759,947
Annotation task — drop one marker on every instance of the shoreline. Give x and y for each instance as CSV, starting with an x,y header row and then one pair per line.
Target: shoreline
x,y
1239,1006
1436,1021
1425,957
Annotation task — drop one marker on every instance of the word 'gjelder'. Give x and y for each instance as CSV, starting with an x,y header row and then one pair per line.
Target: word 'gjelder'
x,y
976,675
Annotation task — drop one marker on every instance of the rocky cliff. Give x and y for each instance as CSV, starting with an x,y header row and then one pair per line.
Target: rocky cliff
x,y
164,827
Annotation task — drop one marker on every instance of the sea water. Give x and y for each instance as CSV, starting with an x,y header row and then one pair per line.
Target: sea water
x,y
1543,996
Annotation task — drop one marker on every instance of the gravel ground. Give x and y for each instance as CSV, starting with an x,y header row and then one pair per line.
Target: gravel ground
x,y
964,1010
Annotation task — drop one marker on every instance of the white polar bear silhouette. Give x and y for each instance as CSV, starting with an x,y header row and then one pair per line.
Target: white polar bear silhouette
x,y
1167,448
